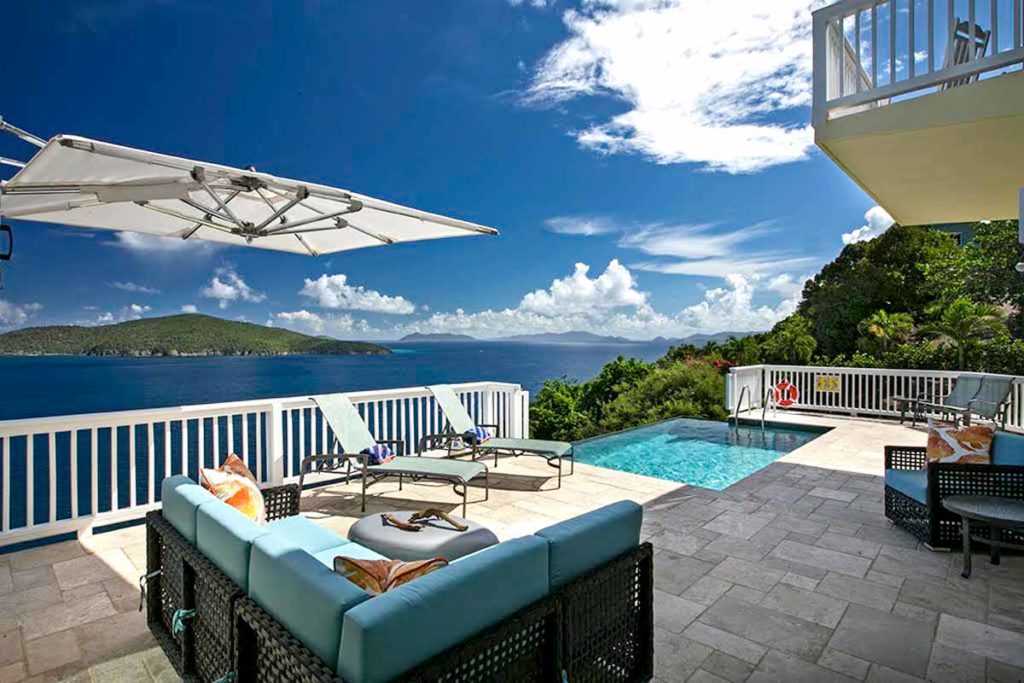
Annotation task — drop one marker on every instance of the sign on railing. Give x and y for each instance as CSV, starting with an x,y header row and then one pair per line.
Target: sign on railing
x,y
66,474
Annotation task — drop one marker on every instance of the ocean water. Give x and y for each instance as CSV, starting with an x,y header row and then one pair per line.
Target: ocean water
x,y
704,453
63,385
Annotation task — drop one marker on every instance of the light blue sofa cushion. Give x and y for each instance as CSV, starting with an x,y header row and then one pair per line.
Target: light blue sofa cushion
x,y
1008,449
588,541
348,549
913,483
395,631
306,597
225,536
180,497
307,535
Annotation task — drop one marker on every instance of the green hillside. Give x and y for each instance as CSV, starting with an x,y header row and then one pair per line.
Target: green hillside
x,y
176,335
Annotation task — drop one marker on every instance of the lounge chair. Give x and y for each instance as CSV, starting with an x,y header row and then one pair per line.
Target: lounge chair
x,y
992,399
960,49
352,436
460,422
957,404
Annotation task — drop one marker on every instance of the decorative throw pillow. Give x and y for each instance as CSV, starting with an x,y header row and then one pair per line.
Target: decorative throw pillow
x,y
948,443
380,576
476,435
234,484
379,454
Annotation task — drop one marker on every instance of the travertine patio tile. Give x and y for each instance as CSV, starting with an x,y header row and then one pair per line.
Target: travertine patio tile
x,y
883,674
6,579
674,613
706,590
850,545
1000,672
676,657
845,664
681,542
950,665
33,577
800,581
832,494
824,558
780,493
108,564
911,563
22,601
800,525
727,667
47,554
726,642
114,636
797,602
52,652
732,546
64,616
675,573
738,524
745,594
779,667
888,639
1006,604
13,673
749,574
884,579
767,627
942,597
704,676
858,591
981,639
905,609
11,649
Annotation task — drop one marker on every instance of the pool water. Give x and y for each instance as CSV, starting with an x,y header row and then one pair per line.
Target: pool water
x,y
704,453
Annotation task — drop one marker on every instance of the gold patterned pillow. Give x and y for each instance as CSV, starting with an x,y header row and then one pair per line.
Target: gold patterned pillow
x,y
380,576
234,484
948,443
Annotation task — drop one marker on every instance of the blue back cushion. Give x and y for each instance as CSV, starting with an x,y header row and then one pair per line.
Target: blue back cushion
x,y
225,536
402,628
305,534
1008,449
180,497
585,542
913,483
306,597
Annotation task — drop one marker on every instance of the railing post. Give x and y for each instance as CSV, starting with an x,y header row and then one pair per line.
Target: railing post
x,y
819,39
730,391
275,445
487,409
520,427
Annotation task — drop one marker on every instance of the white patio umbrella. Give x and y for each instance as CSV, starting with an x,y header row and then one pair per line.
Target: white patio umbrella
x,y
81,182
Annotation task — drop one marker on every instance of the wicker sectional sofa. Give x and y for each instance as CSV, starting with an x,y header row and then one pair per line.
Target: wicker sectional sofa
x,y
230,600
915,488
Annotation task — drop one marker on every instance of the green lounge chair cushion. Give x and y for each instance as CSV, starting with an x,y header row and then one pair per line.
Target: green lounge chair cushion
x,y
1008,449
912,483
393,632
180,497
346,422
588,541
538,446
225,536
348,549
306,597
456,414
438,467
304,534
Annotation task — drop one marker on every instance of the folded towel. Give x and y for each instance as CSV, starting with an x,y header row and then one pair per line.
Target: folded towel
x,y
476,436
379,454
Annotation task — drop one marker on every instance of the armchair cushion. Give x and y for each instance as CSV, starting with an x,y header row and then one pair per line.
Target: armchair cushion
x,y
964,445
180,497
225,536
912,483
348,549
1008,449
582,543
307,535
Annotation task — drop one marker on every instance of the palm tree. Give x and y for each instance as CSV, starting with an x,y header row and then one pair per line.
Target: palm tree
x,y
882,328
963,321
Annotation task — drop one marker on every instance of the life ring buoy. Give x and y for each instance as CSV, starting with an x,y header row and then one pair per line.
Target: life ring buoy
x,y
786,394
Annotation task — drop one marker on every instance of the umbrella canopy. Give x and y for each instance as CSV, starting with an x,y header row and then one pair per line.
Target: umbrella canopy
x,y
81,182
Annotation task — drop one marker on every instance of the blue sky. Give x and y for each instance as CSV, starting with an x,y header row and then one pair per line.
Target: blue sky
x,y
646,182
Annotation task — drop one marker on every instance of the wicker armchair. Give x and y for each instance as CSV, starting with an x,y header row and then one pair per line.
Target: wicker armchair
x,y
931,523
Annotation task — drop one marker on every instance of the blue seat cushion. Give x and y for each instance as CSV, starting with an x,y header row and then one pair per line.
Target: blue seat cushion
x,y
306,597
1008,449
180,497
912,483
225,536
397,630
348,549
305,534
589,540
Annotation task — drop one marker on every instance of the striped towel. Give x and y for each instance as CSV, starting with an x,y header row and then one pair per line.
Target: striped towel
x,y
379,454
476,436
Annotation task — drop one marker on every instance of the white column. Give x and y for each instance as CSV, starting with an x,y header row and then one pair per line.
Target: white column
x,y
275,445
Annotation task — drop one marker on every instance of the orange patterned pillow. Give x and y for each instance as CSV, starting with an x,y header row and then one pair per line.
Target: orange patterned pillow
x,y
948,443
234,484
380,576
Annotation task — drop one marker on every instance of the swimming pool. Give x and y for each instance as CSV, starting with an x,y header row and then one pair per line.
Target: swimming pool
x,y
704,453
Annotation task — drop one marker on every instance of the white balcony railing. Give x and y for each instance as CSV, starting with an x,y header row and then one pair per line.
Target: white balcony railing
x,y
868,53
849,391
71,474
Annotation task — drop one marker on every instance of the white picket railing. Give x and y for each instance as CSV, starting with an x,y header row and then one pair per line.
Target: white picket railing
x,y
73,473
850,391
869,52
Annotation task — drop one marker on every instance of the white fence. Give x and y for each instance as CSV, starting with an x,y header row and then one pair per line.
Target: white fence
x,y
869,52
73,473
850,391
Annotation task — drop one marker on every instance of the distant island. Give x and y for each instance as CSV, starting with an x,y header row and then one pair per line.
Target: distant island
x,y
175,335
702,339
437,337
577,337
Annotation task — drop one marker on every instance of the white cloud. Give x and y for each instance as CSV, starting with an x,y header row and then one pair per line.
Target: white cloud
x,y
14,315
314,323
143,243
876,221
333,291
227,286
189,308
579,293
536,4
581,225
706,81
134,288
105,318
135,311
731,308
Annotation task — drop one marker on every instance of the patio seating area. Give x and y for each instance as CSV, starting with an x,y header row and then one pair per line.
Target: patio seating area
x,y
791,574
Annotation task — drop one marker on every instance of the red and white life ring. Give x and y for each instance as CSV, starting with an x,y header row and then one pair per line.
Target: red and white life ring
x,y
786,394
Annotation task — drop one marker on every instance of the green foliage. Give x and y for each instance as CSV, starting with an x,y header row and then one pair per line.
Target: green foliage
x,y
616,377
172,336
881,330
693,388
556,414
963,322
790,342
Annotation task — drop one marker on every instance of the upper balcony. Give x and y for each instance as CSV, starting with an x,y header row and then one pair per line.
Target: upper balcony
x,y
921,102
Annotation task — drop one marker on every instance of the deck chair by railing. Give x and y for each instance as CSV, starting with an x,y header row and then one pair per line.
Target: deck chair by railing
x,y
992,400
460,422
352,436
959,51
955,405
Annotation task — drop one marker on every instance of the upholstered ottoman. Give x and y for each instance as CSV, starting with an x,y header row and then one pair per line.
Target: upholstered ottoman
x,y
436,538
